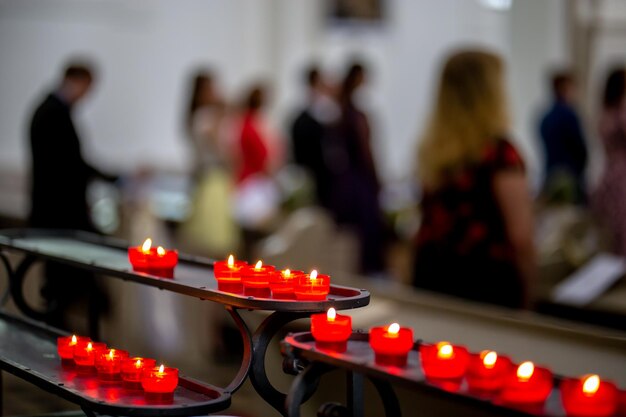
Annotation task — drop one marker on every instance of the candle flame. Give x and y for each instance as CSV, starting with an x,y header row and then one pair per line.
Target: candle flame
x,y
489,358
138,363
591,384
444,350
393,329
231,261
287,273
258,265
331,314
74,339
313,275
161,369
111,353
147,244
160,251
525,371
89,346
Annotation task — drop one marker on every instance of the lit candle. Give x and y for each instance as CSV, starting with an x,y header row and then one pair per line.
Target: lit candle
x,y
444,360
529,384
256,280
282,284
159,261
331,330
85,353
109,364
391,344
589,396
228,274
312,287
159,380
487,371
65,346
132,370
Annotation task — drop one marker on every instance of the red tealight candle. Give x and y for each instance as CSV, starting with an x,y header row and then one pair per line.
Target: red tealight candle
x,y
155,261
444,361
159,380
527,385
331,330
65,346
283,283
312,287
487,371
132,370
85,352
256,280
391,344
589,397
228,274
109,364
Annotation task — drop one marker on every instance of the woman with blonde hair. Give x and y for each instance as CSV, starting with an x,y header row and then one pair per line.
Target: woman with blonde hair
x,y
476,238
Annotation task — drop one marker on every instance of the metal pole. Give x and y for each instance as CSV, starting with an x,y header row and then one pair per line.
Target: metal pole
x,y
1,395
355,400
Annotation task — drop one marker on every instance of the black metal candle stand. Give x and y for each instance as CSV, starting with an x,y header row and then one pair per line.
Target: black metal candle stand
x,y
29,351
358,360
193,277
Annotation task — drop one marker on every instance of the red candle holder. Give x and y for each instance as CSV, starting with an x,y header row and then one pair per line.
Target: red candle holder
x,y
487,371
228,274
85,353
108,364
283,284
444,361
154,261
159,380
132,370
529,384
256,280
391,344
331,330
589,397
312,287
65,346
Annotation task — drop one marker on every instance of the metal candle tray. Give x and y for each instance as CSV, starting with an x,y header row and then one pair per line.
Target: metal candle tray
x,y
359,358
28,350
193,276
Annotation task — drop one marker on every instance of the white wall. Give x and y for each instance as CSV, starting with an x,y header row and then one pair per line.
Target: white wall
x,y
146,49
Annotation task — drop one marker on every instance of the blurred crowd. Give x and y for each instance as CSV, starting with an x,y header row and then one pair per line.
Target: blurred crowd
x,y
476,235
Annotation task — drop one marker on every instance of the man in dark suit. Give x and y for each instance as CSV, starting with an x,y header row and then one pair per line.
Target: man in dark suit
x,y
308,134
60,176
60,173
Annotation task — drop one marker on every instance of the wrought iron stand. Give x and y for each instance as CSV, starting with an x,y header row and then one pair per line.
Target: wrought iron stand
x,y
194,277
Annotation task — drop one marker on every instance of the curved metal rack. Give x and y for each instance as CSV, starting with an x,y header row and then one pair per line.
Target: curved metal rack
x,y
359,359
28,350
193,277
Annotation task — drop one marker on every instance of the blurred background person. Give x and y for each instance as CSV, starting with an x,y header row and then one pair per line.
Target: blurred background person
x,y
210,228
309,132
256,148
476,235
258,154
564,145
203,123
59,180
354,179
60,174
610,195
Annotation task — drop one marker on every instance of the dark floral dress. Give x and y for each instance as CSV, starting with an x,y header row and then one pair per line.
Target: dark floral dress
x,y
462,247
